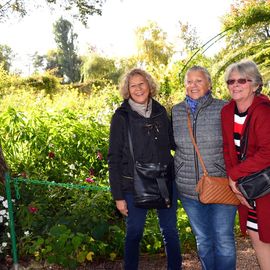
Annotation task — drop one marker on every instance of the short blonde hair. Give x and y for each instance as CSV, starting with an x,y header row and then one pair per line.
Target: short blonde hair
x,y
124,85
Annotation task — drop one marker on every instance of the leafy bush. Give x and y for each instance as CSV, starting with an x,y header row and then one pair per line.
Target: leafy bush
x,y
47,82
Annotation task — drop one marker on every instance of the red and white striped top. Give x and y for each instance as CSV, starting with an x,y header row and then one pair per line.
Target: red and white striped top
x,y
239,120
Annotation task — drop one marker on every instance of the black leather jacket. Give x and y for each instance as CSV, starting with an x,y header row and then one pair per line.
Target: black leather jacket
x,y
152,141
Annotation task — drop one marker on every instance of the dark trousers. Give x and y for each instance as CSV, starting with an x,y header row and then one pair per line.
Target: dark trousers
x,y
134,231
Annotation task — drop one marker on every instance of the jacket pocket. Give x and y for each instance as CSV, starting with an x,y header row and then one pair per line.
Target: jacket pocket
x,y
127,177
178,168
220,168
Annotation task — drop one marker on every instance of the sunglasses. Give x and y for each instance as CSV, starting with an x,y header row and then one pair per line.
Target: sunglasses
x,y
240,81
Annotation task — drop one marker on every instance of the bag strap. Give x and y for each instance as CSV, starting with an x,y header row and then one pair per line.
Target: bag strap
x,y
130,140
194,143
125,115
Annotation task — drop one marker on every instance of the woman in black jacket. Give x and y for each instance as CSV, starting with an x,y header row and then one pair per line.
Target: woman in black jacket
x,y
152,142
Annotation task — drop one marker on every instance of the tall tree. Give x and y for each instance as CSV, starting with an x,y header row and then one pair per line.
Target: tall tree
x,y
81,9
38,61
154,49
153,46
67,58
6,56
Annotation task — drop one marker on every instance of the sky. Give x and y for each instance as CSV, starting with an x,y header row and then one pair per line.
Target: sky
x,y
113,33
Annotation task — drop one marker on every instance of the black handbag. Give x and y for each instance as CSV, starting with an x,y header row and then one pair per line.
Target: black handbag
x,y
152,185
256,184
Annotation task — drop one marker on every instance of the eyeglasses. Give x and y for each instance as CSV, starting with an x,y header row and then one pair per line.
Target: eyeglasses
x,y
240,81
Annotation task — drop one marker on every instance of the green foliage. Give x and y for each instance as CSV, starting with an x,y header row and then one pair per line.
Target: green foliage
x,y
81,9
8,83
247,36
6,56
47,145
187,239
190,37
68,62
47,82
247,13
59,138
97,68
152,44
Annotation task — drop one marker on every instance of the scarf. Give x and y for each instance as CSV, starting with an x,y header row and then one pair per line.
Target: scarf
x,y
193,103
144,110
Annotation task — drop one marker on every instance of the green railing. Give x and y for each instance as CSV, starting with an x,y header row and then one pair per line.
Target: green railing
x,y
16,181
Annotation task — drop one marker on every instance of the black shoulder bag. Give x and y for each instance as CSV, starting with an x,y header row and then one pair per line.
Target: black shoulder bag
x,y
152,186
256,184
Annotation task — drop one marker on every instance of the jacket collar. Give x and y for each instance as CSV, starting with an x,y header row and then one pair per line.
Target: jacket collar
x,y
156,108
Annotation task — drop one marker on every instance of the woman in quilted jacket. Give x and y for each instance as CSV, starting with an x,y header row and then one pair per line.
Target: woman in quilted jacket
x,y
212,224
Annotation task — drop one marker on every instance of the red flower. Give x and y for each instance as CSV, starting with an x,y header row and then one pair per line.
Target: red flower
x,y
51,155
89,180
23,174
32,209
91,172
99,155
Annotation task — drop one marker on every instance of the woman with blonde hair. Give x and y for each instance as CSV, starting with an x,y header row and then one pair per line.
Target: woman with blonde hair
x,y
152,141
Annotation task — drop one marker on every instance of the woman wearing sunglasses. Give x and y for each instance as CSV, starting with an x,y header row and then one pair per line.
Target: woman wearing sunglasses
x,y
244,82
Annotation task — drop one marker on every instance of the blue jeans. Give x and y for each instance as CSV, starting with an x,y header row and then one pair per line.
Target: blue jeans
x,y
213,227
135,222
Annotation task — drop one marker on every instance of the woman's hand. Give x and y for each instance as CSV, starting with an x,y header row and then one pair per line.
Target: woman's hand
x,y
243,201
234,187
238,194
122,207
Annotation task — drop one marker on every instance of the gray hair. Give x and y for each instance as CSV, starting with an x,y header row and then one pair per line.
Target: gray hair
x,y
124,85
248,69
201,69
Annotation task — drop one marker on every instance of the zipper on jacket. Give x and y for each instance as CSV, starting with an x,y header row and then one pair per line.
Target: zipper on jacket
x,y
196,160
195,154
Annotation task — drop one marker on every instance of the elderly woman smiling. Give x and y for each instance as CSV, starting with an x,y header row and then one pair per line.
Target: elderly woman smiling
x,y
212,224
244,83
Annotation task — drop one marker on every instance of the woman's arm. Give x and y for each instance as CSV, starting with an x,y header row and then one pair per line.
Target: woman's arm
x,y
116,145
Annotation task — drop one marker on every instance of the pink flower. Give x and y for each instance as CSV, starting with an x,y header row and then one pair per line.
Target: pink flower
x,y
51,155
99,155
32,209
89,180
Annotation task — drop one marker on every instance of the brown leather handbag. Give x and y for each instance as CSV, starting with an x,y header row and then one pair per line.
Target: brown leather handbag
x,y
212,189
